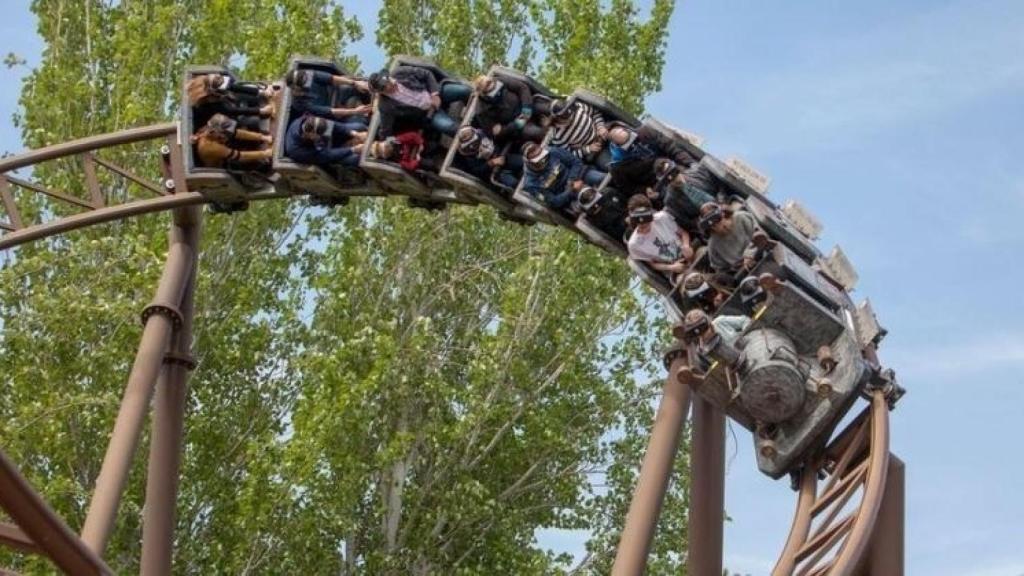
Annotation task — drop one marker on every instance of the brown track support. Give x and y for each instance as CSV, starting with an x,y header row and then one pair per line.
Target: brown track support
x,y
165,448
42,527
707,490
160,318
856,462
14,537
655,475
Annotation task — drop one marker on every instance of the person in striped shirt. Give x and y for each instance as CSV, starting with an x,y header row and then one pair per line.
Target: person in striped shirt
x,y
580,129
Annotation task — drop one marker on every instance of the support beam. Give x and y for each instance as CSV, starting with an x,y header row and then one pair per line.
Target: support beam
x,y
14,537
885,555
43,527
165,448
655,475
7,199
160,318
707,490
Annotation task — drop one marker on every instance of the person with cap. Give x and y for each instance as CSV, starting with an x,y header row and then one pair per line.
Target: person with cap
x,y
413,95
311,94
605,209
684,191
210,94
729,235
656,238
634,151
580,129
506,109
222,144
478,155
321,142
555,175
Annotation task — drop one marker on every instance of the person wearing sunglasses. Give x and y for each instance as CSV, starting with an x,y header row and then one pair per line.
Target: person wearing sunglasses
x,y
315,140
729,235
580,129
656,239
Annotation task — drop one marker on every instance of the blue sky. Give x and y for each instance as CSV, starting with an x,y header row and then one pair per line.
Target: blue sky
x,y
901,125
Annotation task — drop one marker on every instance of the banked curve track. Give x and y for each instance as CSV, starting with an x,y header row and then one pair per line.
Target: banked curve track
x,y
835,528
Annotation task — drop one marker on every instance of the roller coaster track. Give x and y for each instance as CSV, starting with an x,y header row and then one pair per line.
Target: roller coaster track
x,y
848,518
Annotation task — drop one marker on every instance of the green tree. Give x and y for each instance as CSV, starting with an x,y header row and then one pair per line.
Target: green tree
x,y
380,390
69,306
480,379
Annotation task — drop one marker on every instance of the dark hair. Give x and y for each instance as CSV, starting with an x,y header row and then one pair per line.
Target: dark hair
x,y
313,128
560,109
297,79
378,81
638,201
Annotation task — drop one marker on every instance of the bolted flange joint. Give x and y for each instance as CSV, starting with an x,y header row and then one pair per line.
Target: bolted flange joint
x,y
884,380
164,309
183,359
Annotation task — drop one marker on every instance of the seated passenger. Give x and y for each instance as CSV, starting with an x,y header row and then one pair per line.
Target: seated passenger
x,y
314,140
406,149
656,238
222,144
506,109
697,291
580,129
684,191
210,94
412,95
715,338
605,210
477,155
555,175
633,154
310,95
729,235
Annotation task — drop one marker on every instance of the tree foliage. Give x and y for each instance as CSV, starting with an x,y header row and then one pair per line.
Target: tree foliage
x,y
380,390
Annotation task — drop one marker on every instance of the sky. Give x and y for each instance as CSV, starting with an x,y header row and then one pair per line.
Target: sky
x,y
901,126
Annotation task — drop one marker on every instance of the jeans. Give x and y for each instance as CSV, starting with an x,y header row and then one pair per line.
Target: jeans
x,y
593,177
450,92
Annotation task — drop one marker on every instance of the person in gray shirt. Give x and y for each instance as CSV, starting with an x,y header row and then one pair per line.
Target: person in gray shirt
x,y
729,234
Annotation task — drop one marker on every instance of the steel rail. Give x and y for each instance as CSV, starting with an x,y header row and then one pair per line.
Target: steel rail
x,y
87,144
837,547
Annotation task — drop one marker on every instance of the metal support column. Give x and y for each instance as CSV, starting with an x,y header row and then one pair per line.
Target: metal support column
x,y
707,490
655,474
165,447
160,318
885,554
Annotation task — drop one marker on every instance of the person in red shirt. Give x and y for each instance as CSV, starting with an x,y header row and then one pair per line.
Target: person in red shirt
x,y
405,148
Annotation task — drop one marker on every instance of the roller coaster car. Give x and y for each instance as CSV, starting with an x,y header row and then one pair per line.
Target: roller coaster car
x,y
589,229
428,189
797,367
223,187
323,184
491,192
494,192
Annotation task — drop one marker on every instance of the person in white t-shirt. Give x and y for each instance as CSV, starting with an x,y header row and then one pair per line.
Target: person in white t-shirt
x,y
657,239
